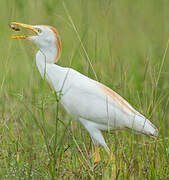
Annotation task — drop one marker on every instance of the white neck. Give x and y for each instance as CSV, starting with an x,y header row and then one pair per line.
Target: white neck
x,y
56,74
49,54
42,59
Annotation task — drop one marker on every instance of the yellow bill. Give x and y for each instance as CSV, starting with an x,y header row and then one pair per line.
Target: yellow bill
x,y
14,26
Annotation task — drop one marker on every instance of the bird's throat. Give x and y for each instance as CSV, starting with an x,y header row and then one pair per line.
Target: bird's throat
x,y
42,60
48,55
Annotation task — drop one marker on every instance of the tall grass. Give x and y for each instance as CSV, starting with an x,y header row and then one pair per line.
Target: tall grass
x,y
122,43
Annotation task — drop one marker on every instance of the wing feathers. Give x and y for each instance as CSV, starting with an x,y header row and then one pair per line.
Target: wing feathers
x,y
117,98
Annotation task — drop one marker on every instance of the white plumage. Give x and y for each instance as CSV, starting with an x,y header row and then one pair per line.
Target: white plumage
x,y
96,106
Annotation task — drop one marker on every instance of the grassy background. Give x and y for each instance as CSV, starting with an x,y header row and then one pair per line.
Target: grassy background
x,y
126,42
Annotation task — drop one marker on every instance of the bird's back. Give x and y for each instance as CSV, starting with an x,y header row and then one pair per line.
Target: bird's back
x,y
88,99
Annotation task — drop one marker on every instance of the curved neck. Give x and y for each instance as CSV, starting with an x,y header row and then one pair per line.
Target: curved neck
x,y
48,55
41,61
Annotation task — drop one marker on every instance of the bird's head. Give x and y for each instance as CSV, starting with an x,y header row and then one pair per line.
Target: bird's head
x,y
45,37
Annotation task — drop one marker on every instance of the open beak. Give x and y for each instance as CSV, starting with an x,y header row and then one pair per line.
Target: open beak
x,y
30,27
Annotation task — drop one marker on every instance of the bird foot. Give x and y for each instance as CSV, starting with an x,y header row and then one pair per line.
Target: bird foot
x,y
97,158
112,161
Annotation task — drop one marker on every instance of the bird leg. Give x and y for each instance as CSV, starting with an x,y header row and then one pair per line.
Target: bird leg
x,y
113,161
97,158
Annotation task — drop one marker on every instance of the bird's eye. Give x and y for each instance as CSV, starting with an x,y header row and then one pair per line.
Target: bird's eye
x,y
39,30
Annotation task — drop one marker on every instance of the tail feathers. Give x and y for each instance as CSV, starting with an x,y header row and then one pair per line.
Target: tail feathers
x,y
143,125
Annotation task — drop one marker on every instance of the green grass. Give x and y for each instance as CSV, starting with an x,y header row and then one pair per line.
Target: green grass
x,y
126,42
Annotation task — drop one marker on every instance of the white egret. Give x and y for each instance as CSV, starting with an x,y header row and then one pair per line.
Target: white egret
x,y
96,106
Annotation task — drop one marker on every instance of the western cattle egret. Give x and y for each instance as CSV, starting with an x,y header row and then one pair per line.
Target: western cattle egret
x,y
96,106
